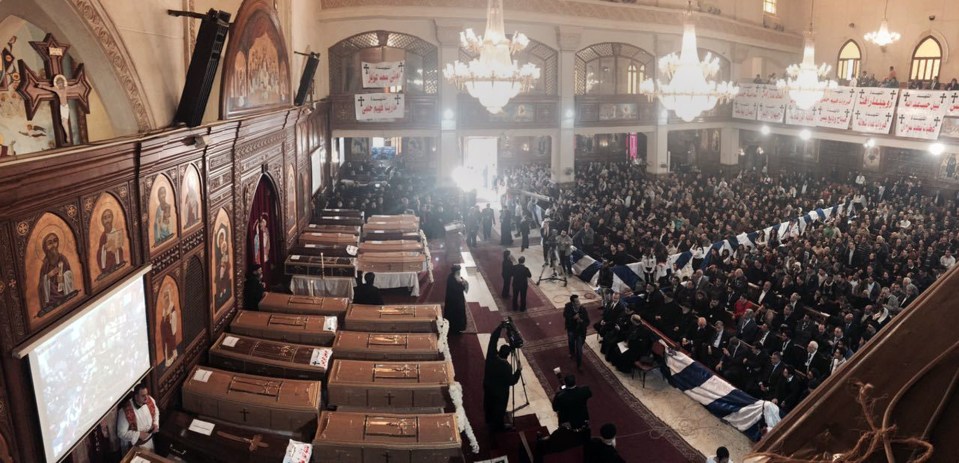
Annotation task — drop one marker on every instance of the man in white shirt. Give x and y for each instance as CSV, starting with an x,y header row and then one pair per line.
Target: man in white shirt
x,y
138,420
947,260
722,456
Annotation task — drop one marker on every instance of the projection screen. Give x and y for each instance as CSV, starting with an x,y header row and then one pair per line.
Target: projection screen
x,y
87,364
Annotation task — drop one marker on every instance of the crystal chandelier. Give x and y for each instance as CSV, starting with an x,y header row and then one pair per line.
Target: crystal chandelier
x,y
803,83
883,37
687,87
493,78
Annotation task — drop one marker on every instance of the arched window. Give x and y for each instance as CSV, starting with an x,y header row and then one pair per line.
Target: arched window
x,y
420,59
926,60
849,58
769,6
611,69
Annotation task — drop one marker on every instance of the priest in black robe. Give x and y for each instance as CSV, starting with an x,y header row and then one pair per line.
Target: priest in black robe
x,y
454,309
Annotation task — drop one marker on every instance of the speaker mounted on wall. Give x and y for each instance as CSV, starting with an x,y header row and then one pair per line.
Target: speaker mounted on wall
x,y
210,39
306,80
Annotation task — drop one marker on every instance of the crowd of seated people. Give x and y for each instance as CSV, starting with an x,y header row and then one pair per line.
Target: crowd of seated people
x,y
404,192
777,318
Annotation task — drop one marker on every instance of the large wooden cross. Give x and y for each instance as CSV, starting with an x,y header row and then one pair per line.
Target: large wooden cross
x,y
55,88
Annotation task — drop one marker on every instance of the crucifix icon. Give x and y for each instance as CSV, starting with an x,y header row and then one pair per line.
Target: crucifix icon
x,y
244,412
386,456
389,398
54,87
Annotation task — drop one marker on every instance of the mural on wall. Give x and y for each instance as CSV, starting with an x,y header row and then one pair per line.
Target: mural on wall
x,y
221,269
161,213
108,248
190,211
17,134
872,159
168,329
290,198
256,72
948,168
305,198
54,277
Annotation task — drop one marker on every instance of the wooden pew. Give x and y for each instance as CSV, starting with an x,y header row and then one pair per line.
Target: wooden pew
x,y
363,345
281,405
244,354
393,318
389,385
374,437
316,330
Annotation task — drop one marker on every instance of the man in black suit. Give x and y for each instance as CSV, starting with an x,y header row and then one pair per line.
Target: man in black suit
x,y
733,363
577,322
747,329
570,404
696,336
814,363
791,352
521,276
789,391
497,380
366,293
713,349
769,382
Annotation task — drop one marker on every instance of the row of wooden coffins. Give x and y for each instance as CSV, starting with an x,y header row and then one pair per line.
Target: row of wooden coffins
x,y
377,390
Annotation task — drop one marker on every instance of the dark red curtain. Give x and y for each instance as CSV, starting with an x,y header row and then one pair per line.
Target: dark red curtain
x,y
263,237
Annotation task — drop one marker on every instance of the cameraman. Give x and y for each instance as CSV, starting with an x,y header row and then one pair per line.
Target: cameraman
x,y
497,380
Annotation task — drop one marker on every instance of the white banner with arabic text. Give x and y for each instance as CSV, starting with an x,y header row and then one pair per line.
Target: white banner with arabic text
x,y
875,121
918,124
798,116
379,106
833,118
744,110
929,102
839,98
383,75
771,112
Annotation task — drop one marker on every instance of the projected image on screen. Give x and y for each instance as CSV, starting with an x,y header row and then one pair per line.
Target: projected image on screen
x,y
89,365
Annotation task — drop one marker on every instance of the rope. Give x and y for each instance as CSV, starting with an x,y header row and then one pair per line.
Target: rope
x,y
878,435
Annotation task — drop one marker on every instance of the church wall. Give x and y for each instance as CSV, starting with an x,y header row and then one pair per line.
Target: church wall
x,y
67,189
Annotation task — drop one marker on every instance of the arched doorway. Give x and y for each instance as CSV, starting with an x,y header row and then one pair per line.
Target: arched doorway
x,y
264,236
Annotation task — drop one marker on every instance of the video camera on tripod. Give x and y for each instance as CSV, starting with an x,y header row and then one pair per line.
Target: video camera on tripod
x,y
513,336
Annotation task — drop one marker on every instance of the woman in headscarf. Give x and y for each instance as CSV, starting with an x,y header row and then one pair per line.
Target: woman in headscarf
x,y
454,310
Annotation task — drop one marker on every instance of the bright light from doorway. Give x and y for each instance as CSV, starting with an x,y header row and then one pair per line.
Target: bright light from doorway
x,y
805,134
765,130
937,149
466,179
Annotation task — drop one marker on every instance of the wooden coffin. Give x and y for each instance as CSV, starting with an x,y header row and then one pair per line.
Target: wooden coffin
x,y
141,455
405,218
341,213
263,357
282,405
320,266
391,246
390,438
308,305
345,229
393,318
328,238
406,227
402,385
391,262
362,345
390,235
324,250
225,444
338,220
316,330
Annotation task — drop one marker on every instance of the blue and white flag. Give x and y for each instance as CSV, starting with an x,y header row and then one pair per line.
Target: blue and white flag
x,y
722,399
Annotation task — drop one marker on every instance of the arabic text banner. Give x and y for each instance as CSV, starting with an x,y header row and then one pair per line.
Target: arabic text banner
x,y
382,75
918,124
744,110
798,116
379,106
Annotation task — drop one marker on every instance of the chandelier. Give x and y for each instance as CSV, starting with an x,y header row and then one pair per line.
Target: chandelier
x,y
803,83
883,37
687,87
493,78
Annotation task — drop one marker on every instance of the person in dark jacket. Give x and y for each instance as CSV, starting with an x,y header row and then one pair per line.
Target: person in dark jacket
x,y
577,321
605,281
454,308
507,273
366,293
253,290
570,404
497,380
521,276
524,227
602,449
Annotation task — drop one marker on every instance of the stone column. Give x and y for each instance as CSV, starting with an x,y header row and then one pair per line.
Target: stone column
x,y
450,155
657,158
562,160
729,147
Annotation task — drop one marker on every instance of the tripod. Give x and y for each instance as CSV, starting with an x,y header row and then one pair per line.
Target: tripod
x,y
516,363
559,274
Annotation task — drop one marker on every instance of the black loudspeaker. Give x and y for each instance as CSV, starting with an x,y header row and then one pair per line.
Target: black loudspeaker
x,y
203,64
306,81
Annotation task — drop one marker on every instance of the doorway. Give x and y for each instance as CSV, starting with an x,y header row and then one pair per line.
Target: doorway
x,y
479,165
